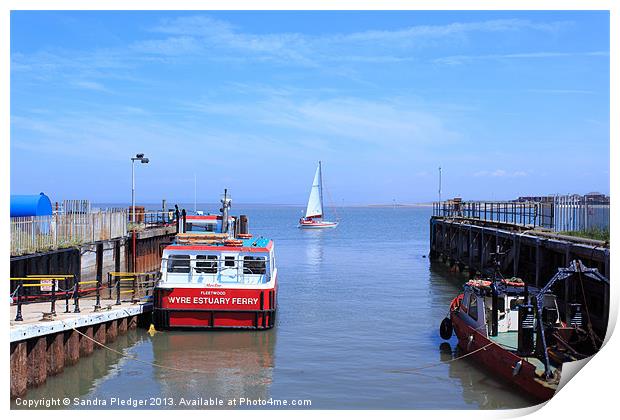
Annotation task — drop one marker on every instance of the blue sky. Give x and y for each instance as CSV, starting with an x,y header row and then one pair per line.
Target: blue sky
x,y
508,103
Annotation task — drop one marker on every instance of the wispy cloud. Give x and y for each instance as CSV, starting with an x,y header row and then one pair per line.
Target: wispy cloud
x,y
398,123
208,34
89,85
205,38
465,59
501,173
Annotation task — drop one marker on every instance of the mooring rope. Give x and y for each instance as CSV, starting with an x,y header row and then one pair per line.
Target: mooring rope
x,y
140,360
414,370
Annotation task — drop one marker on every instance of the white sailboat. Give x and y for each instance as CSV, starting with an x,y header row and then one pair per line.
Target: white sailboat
x,y
314,211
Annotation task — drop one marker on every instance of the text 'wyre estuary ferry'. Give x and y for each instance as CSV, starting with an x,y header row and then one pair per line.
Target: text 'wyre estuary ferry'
x,y
216,275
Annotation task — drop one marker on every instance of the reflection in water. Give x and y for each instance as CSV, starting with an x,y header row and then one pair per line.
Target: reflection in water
x,y
474,381
91,371
230,364
314,247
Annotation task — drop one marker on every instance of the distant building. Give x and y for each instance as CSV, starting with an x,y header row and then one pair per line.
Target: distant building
x,y
591,198
535,199
596,198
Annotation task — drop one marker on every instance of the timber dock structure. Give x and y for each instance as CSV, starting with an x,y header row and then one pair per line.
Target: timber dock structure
x,y
469,236
78,281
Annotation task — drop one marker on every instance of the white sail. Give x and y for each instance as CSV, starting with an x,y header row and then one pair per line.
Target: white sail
x,y
315,201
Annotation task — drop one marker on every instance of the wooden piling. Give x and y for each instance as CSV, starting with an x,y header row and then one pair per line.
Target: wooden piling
x,y
111,331
36,349
86,346
122,325
99,333
55,354
72,347
132,322
19,369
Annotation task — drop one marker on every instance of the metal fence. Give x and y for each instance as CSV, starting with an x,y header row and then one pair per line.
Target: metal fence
x,y
578,213
43,233
559,213
529,214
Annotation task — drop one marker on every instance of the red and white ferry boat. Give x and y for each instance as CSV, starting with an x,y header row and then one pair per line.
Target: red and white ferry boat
x,y
216,275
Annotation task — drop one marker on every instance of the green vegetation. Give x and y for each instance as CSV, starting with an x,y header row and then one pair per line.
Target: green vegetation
x,y
593,233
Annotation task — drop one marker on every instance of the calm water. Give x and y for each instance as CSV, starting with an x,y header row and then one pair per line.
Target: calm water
x,y
358,307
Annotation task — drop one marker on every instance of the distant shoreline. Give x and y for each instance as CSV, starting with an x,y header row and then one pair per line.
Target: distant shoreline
x,y
210,205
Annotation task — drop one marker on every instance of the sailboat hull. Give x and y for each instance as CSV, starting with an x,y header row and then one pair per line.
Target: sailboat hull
x,y
317,225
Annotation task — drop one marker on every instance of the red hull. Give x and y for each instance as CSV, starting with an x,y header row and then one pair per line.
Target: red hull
x,y
498,360
211,308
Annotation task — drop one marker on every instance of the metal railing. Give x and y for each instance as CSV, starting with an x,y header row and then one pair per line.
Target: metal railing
x,y
239,271
578,213
559,213
139,285
527,214
150,219
43,233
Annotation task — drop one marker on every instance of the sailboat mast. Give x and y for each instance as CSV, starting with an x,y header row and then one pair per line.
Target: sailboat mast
x,y
321,187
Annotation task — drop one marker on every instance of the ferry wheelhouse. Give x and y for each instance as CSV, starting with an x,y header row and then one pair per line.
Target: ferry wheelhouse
x,y
216,275
519,332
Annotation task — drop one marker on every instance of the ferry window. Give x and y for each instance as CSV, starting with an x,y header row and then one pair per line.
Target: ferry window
x,y
501,304
191,227
253,265
514,303
178,264
472,310
206,264
229,261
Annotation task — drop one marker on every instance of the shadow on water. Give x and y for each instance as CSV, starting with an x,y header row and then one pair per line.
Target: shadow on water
x,y
474,380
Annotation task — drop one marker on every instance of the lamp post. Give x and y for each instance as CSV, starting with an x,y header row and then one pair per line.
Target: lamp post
x,y
142,159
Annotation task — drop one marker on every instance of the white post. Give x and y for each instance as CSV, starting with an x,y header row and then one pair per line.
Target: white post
x,y
133,193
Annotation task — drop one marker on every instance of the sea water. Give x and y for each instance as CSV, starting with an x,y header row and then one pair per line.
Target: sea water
x,y
359,309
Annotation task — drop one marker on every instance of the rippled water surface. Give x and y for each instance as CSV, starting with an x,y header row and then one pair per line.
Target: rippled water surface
x,y
359,309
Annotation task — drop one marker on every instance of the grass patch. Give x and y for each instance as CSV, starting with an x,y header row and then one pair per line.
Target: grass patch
x,y
594,233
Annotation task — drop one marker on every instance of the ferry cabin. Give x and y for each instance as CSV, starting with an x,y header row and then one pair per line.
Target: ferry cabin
x,y
217,285
205,223
477,311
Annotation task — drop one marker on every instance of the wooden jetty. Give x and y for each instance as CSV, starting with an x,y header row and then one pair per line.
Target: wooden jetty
x,y
525,247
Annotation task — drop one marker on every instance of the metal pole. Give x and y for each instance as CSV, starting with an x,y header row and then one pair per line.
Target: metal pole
x,y
118,291
440,184
133,193
98,302
20,288
134,285
53,309
76,295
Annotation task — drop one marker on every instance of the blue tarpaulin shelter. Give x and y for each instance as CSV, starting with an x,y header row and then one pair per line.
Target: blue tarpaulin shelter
x,y
30,205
